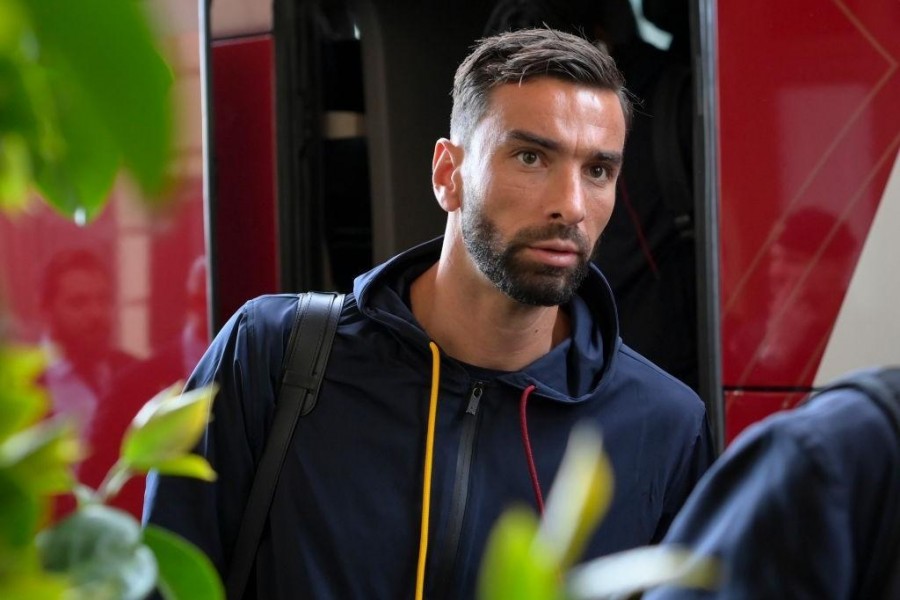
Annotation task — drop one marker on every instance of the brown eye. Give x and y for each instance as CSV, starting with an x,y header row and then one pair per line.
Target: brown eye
x,y
598,172
528,158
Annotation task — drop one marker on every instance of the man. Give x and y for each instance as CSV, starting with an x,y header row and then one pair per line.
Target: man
x,y
77,301
85,372
649,253
805,504
523,330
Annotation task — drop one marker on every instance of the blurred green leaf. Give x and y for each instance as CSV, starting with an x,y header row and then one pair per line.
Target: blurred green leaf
x,y
106,47
41,457
12,23
189,465
16,112
15,173
33,586
77,177
21,514
580,496
100,549
23,142
166,428
185,572
83,90
515,565
22,400
640,569
21,575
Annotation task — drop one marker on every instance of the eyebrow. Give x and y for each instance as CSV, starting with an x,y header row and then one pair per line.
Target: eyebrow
x,y
614,158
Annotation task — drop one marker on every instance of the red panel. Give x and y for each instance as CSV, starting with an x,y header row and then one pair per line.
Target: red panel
x,y
810,126
245,227
742,409
120,305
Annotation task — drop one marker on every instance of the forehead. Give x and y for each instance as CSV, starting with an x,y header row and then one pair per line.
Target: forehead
x,y
560,109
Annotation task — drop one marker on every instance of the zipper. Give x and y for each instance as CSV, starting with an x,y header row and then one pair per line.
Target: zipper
x,y
450,548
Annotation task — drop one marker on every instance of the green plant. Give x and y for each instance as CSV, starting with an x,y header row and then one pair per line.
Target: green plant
x,y
84,91
534,559
98,551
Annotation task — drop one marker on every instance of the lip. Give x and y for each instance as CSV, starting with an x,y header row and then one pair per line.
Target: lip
x,y
562,246
557,253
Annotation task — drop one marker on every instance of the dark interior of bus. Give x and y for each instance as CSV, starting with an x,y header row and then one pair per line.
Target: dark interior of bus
x,y
364,91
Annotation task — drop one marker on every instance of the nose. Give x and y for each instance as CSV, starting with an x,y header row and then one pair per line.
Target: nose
x,y
567,198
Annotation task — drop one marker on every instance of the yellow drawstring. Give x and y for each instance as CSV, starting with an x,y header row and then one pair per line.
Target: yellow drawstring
x,y
429,459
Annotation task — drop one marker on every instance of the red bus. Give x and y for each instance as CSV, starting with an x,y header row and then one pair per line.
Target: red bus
x,y
306,134
795,131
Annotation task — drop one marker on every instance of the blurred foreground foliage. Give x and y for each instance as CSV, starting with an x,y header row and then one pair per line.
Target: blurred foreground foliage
x,y
84,91
98,551
531,558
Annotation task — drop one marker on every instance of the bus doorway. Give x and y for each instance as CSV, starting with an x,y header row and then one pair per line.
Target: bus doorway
x,y
364,91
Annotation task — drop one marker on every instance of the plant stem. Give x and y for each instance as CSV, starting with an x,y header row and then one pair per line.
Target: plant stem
x,y
112,484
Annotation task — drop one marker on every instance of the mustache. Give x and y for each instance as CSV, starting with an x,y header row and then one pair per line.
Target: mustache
x,y
552,231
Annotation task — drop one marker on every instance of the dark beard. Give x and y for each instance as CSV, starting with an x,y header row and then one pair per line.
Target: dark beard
x,y
523,281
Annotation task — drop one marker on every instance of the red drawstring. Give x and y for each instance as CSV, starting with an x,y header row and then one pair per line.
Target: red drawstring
x,y
529,455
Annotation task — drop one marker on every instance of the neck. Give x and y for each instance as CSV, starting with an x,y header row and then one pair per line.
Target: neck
x,y
474,322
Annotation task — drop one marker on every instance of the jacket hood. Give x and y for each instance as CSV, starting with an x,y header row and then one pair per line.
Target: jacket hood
x,y
571,372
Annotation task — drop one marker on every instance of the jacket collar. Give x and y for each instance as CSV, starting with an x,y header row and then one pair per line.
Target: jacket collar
x,y
571,372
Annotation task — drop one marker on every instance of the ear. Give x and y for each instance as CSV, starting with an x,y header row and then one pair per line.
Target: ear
x,y
446,176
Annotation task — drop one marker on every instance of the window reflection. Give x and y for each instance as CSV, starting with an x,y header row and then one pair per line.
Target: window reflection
x,y
77,304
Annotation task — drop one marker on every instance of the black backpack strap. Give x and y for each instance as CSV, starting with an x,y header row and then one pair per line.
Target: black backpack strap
x,y
307,354
881,577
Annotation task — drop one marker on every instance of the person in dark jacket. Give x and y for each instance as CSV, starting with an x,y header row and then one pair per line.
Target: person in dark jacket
x,y
504,318
805,504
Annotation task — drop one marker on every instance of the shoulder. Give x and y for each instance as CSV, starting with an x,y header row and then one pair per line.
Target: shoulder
x,y
824,435
653,387
813,456
272,312
265,323
670,416
256,333
259,324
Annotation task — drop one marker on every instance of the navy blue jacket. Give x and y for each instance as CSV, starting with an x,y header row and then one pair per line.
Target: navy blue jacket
x,y
345,518
798,504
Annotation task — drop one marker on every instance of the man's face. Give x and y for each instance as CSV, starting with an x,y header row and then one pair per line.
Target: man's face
x,y
538,186
80,313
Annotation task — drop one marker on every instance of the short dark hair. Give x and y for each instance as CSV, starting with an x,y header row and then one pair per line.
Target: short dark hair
x,y
516,56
